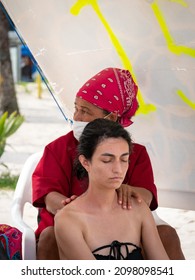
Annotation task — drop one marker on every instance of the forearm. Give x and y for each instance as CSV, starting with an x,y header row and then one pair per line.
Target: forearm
x,y
53,202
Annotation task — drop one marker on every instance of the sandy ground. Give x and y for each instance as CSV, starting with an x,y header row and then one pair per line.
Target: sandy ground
x,y
43,123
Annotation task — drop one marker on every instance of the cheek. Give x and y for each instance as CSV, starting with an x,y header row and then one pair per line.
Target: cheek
x,y
89,118
99,170
125,167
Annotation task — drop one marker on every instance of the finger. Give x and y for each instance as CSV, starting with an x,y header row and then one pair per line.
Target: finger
x,y
120,196
66,201
129,202
63,202
137,196
73,197
125,198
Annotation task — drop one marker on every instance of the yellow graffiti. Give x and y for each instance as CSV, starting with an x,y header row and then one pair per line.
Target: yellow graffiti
x,y
143,107
169,39
178,50
181,2
185,99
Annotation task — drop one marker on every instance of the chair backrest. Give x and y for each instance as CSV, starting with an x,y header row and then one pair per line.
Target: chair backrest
x,y
23,195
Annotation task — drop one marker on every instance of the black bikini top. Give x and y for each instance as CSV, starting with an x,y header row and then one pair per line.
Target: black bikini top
x,y
115,252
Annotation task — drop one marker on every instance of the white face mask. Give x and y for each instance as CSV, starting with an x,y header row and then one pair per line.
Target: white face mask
x,y
78,128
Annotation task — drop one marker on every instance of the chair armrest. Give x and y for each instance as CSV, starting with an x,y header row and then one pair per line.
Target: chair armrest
x,y
28,235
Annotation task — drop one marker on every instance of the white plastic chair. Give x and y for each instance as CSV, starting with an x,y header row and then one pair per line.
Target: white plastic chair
x,y
23,195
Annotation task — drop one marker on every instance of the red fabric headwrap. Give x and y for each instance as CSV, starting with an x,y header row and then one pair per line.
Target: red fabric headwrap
x,y
113,90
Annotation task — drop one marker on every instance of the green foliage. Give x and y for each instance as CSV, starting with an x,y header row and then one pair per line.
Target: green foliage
x,y
8,181
8,126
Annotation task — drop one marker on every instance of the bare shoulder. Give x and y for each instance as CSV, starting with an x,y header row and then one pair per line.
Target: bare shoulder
x,y
65,216
141,208
68,223
66,212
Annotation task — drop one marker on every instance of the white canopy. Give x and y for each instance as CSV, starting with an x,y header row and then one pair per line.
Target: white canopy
x,y
72,40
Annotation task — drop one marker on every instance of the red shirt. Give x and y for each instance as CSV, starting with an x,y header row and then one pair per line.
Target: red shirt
x,y
54,172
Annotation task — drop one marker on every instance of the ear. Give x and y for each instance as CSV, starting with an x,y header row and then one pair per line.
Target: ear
x,y
84,162
113,117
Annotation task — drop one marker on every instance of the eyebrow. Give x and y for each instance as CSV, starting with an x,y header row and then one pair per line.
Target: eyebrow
x,y
111,155
83,107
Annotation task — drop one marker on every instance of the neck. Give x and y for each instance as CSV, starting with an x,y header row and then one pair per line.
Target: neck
x,y
102,198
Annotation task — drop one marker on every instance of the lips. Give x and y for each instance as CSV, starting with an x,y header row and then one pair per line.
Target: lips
x,y
116,178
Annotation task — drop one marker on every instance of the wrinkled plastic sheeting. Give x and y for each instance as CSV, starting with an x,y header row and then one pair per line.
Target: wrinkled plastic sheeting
x,y
155,40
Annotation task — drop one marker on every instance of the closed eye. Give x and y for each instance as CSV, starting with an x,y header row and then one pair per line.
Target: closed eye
x,y
125,158
110,158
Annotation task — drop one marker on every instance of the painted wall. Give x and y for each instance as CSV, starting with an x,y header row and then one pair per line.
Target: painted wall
x,y
72,40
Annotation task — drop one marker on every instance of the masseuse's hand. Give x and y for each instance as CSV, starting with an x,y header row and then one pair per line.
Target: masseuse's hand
x,y
125,194
68,200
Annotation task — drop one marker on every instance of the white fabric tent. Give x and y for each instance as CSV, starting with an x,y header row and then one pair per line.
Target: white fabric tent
x,y
72,40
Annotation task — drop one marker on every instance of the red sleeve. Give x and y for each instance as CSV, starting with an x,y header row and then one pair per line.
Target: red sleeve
x,y
54,170
140,173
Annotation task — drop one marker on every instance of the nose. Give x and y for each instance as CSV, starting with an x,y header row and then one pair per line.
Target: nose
x,y
117,168
77,116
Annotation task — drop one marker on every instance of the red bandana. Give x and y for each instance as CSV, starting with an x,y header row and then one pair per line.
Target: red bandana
x,y
113,90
